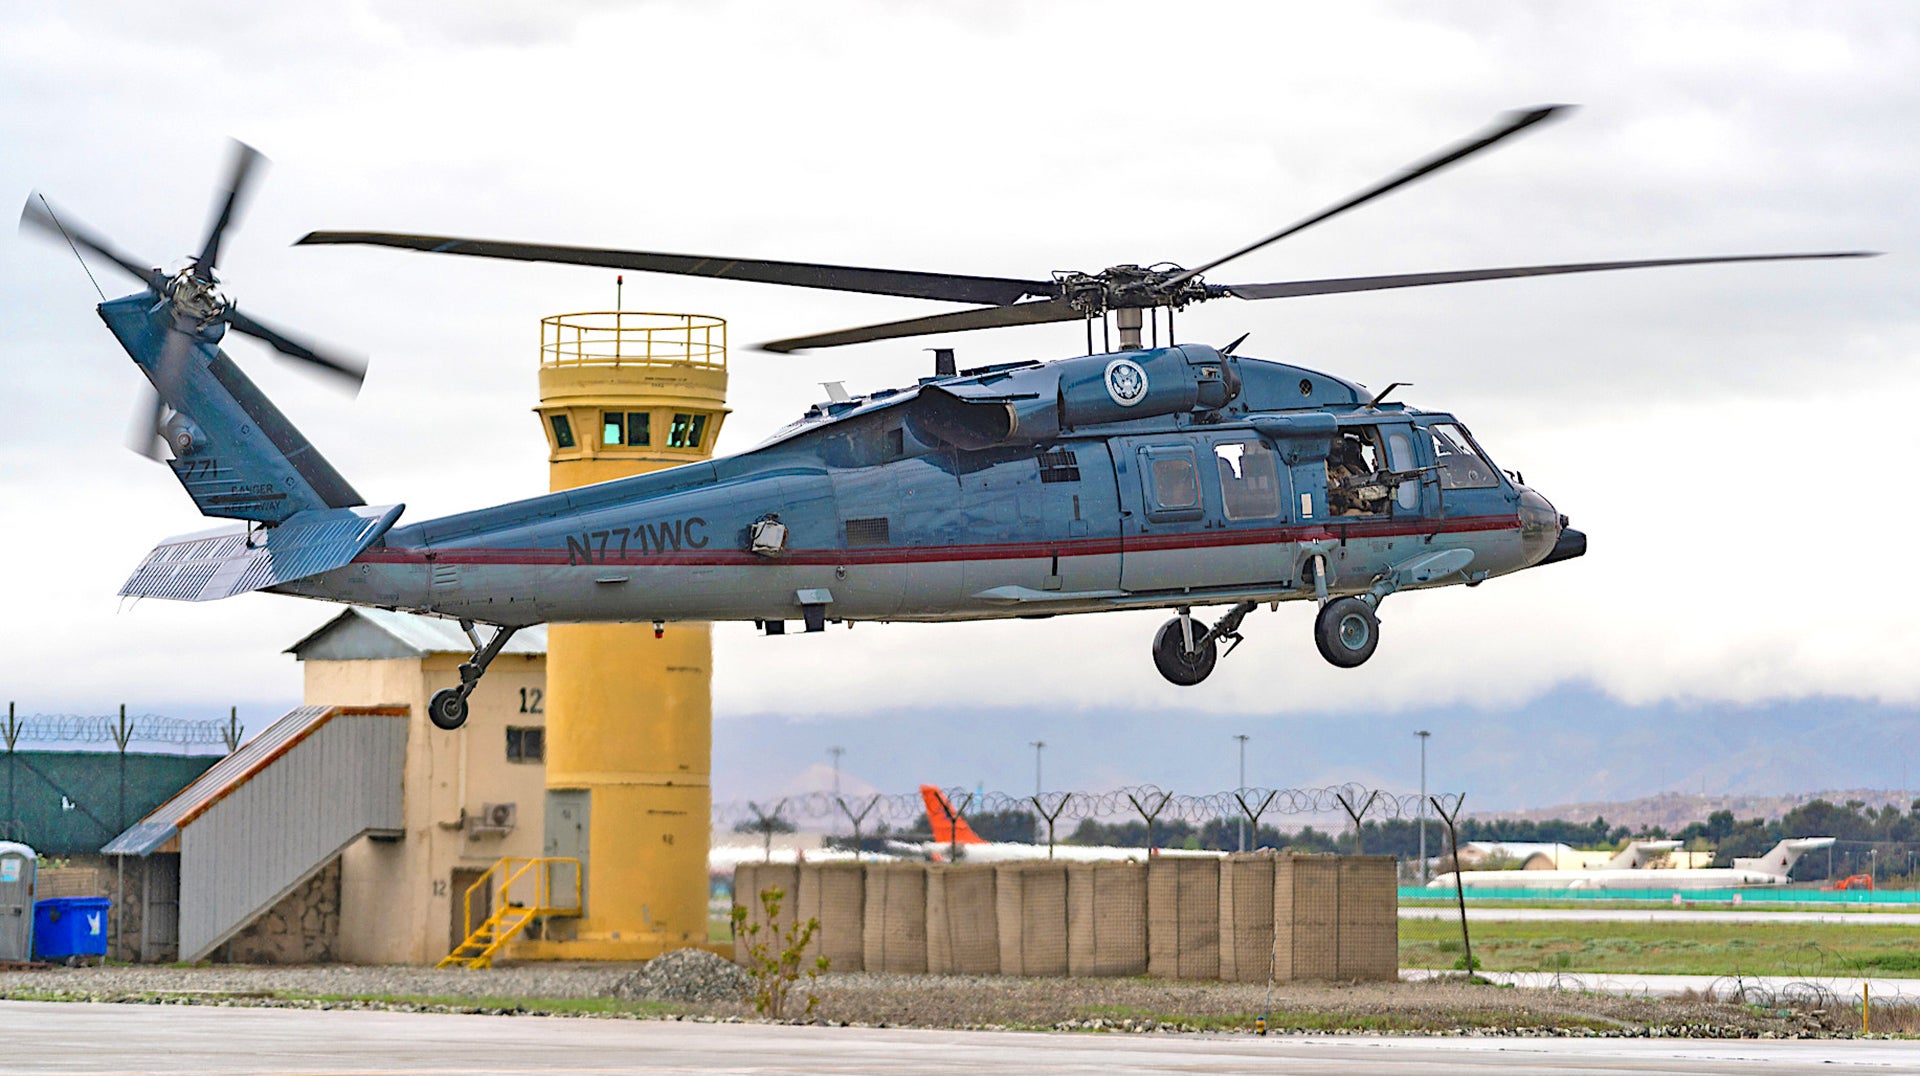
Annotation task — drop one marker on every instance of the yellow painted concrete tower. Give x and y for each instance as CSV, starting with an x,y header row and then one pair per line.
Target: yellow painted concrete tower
x,y
629,715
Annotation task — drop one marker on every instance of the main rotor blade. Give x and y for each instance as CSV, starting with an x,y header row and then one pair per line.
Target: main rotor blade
x,y
1511,123
38,214
985,318
1288,289
351,368
998,291
245,158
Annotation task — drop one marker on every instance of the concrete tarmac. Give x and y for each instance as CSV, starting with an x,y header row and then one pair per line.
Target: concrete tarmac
x,y
69,1039
1481,913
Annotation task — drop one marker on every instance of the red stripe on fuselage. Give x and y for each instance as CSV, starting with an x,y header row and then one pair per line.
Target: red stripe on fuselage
x,y
1072,547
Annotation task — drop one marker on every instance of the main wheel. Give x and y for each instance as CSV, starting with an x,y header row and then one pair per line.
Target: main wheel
x,y
1346,632
447,709
1178,664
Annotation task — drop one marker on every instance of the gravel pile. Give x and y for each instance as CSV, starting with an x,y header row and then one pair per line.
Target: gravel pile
x,y
685,975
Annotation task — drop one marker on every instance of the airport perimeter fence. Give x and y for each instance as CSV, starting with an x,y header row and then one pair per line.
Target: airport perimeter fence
x,y
71,782
1246,917
1137,814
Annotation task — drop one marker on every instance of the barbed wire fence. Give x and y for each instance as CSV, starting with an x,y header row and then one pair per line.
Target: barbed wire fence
x,y
121,730
1148,804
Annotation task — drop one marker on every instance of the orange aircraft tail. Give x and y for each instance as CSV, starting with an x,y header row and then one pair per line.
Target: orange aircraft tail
x,y
948,826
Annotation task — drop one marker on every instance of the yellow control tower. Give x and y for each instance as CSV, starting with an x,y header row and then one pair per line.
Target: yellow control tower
x,y
629,721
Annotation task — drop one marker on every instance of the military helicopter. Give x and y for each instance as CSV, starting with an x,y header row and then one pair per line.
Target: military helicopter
x,y
1147,475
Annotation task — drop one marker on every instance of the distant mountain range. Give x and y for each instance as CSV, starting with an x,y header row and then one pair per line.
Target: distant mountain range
x,y
1674,810
1576,749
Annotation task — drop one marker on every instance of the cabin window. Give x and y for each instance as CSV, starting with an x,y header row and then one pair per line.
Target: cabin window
x,y
526,744
1249,479
1353,461
1173,482
1461,464
562,432
1400,458
687,430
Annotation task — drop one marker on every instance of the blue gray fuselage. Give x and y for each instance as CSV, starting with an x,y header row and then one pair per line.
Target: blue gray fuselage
x,y
982,497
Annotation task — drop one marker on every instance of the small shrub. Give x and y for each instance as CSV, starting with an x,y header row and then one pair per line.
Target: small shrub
x,y
773,955
1460,963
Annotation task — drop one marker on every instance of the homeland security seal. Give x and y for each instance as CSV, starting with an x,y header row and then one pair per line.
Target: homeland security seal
x,y
1126,382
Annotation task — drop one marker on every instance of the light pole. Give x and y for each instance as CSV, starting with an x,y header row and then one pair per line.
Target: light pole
x,y
1038,746
836,752
1242,737
1423,734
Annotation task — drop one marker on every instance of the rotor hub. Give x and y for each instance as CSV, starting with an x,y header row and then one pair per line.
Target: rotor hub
x,y
196,296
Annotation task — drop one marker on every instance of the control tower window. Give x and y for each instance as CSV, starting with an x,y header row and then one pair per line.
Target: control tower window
x,y
687,431
562,432
625,428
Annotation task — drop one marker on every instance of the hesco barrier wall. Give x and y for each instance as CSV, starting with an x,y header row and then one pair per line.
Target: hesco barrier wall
x,y
1246,917
835,895
1239,918
749,881
1031,904
1183,918
963,930
896,917
1106,919
1331,917
1746,895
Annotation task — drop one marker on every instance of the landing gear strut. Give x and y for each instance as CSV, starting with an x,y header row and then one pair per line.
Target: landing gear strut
x,y
448,707
1186,656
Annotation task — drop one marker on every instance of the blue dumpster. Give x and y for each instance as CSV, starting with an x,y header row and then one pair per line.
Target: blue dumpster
x,y
68,927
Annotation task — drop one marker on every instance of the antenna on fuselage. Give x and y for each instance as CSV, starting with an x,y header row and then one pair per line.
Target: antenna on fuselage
x,y
1376,401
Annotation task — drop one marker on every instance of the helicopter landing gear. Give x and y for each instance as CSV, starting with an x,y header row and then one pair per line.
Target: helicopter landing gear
x,y
1186,658
448,707
1346,631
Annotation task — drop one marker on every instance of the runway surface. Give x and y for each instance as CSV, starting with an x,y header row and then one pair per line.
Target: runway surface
x,y
44,1038
1760,989
1659,915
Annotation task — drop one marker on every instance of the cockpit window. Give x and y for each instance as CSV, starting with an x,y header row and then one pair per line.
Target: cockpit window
x,y
1461,467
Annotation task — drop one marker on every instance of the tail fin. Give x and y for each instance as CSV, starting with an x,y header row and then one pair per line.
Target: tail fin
x,y
948,826
1637,854
1783,856
236,454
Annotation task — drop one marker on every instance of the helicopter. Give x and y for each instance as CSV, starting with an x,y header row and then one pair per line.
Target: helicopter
x,y
1146,475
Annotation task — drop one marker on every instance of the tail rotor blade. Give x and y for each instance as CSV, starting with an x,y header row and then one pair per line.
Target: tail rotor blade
x,y
38,215
245,159
350,368
143,436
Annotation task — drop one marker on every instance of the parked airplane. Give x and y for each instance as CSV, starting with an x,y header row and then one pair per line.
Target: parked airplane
x,y
954,838
1767,870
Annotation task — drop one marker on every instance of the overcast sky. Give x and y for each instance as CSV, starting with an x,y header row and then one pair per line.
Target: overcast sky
x,y
1733,439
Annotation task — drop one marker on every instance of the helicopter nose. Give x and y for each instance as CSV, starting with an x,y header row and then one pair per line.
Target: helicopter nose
x,y
1571,544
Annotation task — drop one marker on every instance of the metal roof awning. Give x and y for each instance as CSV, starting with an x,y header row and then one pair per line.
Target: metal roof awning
x,y
152,833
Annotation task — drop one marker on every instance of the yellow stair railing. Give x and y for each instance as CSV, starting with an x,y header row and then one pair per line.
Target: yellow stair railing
x,y
527,892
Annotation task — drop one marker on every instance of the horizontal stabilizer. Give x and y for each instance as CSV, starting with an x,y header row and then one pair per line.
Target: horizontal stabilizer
x,y
220,564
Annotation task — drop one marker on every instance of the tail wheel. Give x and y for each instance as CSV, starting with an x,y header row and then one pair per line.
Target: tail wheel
x,y
1178,664
1346,632
447,709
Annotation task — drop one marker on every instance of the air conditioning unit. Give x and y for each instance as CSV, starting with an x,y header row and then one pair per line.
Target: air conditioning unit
x,y
493,818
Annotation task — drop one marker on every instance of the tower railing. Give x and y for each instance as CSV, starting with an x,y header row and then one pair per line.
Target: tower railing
x,y
633,338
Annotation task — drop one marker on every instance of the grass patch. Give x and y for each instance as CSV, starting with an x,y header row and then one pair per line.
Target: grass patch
x,y
1667,947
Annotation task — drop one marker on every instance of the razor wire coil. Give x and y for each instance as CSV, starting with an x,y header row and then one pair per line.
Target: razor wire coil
x,y
1126,802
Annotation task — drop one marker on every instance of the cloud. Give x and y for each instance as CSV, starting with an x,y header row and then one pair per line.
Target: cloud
x,y
1712,428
